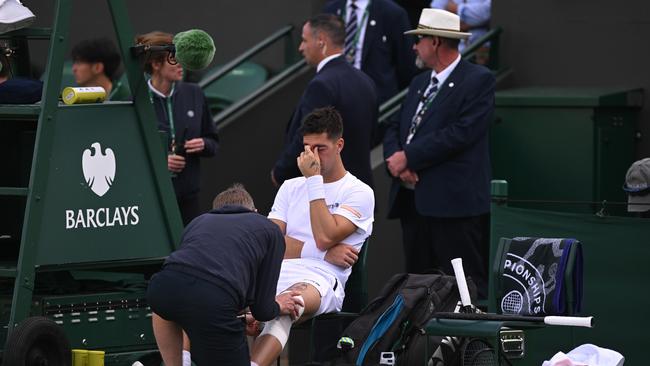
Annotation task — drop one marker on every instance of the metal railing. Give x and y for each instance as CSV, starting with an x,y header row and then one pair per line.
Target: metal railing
x,y
284,32
291,65
223,118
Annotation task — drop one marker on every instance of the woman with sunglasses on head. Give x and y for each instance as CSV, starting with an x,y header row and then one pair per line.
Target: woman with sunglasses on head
x,y
182,111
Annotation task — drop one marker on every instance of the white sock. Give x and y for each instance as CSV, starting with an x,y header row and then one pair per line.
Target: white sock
x,y
254,363
187,358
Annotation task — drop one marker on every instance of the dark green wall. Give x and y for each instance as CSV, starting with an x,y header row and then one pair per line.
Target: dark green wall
x,y
582,43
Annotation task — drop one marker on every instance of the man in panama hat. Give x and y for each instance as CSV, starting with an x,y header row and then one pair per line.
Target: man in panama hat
x,y
438,156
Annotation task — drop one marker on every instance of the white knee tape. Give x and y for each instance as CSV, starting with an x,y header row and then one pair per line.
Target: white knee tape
x,y
281,326
301,307
278,328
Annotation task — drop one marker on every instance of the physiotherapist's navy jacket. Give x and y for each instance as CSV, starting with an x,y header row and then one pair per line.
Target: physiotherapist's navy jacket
x,y
238,250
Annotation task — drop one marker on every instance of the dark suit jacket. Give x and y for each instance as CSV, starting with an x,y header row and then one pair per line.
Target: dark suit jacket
x,y
450,150
188,97
387,56
353,94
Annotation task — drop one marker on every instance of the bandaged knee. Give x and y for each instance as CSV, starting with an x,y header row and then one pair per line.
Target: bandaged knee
x,y
281,326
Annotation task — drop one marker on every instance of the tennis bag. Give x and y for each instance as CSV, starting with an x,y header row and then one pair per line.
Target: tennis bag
x,y
540,276
395,320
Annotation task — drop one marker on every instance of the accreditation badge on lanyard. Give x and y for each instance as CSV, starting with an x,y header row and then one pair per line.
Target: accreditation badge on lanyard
x,y
170,116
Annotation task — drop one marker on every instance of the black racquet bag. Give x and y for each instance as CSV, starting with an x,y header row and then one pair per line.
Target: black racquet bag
x,y
395,320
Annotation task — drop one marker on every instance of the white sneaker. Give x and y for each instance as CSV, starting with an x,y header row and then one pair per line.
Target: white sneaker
x,y
14,15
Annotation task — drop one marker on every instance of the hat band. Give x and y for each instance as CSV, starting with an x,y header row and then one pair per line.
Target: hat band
x,y
426,27
636,191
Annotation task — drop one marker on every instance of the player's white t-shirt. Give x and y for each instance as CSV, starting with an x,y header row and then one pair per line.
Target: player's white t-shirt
x,y
348,197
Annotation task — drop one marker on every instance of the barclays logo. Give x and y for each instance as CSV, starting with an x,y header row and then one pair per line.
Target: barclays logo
x,y
98,168
99,173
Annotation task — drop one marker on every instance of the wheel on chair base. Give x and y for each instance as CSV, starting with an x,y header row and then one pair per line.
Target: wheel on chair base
x,y
37,341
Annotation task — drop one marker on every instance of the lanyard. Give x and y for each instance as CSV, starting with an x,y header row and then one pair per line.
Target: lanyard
x,y
427,102
170,116
364,18
417,119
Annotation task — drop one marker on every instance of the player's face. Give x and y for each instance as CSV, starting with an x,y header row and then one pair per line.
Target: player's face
x,y
327,148
309,46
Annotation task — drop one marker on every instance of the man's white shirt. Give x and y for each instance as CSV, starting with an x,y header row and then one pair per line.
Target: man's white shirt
x,y
348,197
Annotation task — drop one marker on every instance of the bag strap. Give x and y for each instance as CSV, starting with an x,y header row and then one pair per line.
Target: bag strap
x,y
380,327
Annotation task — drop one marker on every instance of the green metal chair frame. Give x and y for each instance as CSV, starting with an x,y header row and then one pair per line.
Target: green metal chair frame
x,y
59,130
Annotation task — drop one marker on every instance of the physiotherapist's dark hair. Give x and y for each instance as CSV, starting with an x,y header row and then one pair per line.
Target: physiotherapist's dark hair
x,y
323,120
235,195
98,50
331,25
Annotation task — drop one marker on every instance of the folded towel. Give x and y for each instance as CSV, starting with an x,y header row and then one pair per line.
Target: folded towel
x,y
587,355
533,277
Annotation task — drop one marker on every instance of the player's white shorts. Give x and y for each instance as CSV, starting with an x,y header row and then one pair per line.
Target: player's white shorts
x,y
330,289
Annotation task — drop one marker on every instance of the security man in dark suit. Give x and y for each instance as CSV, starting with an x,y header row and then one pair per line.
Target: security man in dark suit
x,y
351,92
438,155
375,42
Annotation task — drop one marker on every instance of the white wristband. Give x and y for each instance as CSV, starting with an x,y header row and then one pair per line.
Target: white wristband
x,y
310,250
315,188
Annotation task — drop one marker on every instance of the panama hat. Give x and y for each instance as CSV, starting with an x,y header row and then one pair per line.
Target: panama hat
x,y
14,15
441,23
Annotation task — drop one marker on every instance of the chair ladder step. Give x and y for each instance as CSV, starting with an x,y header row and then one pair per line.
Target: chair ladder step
x,y
20,111
8,271
14,191
29,33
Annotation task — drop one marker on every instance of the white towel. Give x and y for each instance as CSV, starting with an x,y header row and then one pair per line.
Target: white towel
x,y
587,355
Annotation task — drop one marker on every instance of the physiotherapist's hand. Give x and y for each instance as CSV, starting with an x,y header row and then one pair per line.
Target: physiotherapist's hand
x,y
194,146
289,303
410,177
175,163
252,326
309,162
396,163
342,255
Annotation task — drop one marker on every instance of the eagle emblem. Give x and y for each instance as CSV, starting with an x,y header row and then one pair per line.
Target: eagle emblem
x,y
98,168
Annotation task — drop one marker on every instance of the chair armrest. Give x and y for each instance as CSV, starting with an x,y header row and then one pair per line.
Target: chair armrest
x,y
340,314
474,328
463,328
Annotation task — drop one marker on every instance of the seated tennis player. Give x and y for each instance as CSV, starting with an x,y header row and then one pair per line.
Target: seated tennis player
x,y
325,215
